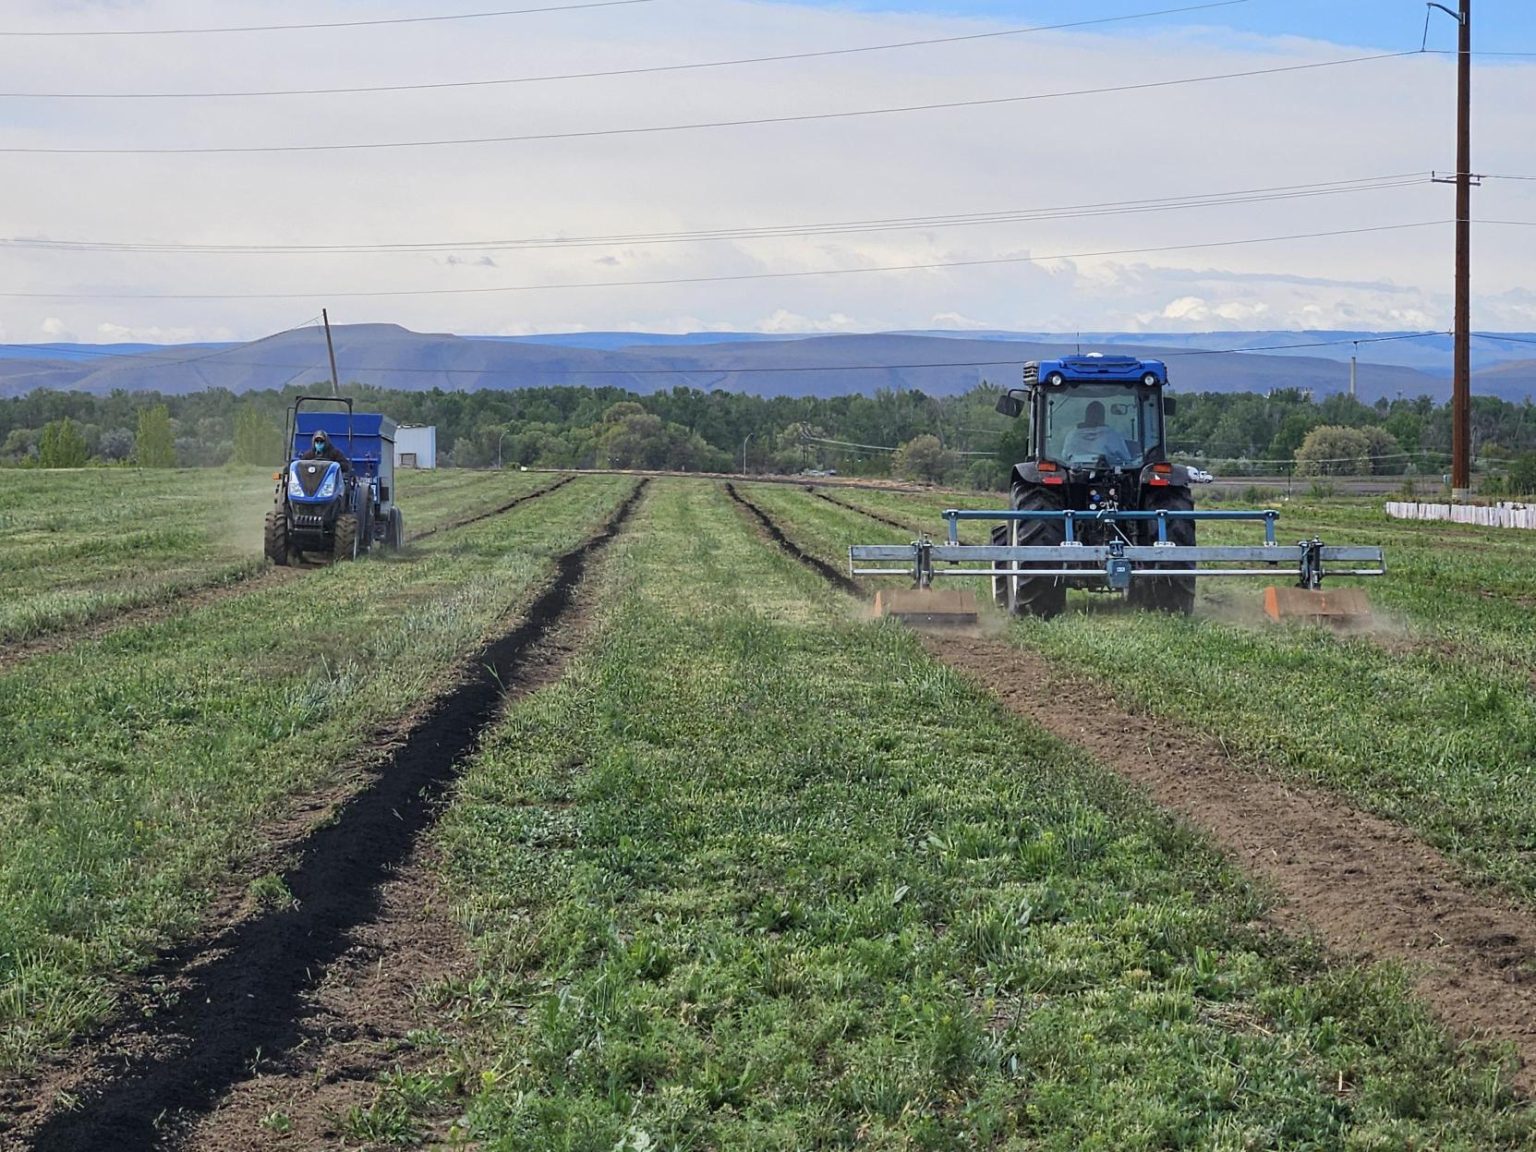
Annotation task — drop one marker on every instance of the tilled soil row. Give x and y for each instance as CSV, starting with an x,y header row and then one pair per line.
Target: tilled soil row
x,y
497,511
1365,887
847,507
239,1000
196,596
819,566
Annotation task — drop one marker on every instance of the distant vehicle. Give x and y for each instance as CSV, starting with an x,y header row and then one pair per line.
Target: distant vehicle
x,y
321,508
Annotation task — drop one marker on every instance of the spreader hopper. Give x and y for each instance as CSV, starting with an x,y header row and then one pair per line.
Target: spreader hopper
x,y
928,607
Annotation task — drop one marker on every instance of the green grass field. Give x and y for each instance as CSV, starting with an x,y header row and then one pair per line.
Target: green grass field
x,y
78,546
135,767
760,875
1427,718
757,872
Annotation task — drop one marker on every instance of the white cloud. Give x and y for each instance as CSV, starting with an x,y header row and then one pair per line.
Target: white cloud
x,y
1332,123
785,321
955,320
108,333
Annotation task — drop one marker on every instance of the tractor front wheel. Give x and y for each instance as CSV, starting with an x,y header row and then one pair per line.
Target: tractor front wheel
x,y
1172,594
1042,596
346,538
275,537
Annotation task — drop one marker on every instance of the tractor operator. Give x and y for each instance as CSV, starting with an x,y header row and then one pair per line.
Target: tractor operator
x,y
323,449
1094,438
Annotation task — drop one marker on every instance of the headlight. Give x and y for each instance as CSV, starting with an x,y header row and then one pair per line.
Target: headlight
x,y
328,489
294,488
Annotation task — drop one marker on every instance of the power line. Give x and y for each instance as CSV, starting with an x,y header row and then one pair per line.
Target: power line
x,y
746,276
747,370
616,72
846,227
594,133
309,27
1509,339
1308,344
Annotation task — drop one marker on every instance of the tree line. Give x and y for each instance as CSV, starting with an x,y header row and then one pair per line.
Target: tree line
x,y
954,439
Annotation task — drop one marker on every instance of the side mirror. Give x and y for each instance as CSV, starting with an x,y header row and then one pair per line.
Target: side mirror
x,y
1170,405
1010,405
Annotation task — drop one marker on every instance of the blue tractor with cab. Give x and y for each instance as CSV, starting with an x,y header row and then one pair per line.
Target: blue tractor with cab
x,y
1098,505
324,507
1097,447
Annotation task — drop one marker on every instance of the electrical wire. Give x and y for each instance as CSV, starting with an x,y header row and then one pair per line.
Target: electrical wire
x,y
72,33
743,277
800,118
846,227
747,370
616,72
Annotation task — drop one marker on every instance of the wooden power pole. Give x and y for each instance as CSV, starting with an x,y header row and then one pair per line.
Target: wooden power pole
x,y
1461,383
331,348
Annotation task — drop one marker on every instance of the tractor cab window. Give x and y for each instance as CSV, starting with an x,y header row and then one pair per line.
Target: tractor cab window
x,y
1101,425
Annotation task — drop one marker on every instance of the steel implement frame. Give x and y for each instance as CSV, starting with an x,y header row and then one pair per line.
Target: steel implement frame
x,y
1070,519
1116,563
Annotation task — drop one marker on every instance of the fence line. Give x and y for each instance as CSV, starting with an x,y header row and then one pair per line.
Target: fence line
x,y
1499,516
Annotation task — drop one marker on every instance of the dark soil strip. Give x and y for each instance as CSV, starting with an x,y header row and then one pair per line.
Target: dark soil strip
x,y
1364,886
876,516
497,511
843,582
242,997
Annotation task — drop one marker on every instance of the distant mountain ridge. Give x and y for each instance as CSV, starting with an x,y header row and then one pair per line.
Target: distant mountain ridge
x,y
940,363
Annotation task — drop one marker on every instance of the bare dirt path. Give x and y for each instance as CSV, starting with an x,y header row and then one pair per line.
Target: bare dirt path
x,y
1364,886
312,989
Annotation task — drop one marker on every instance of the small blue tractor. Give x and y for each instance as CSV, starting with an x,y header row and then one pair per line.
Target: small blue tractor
x,y
324,507
1098,505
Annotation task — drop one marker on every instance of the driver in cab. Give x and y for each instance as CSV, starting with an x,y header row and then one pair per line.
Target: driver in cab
x,y
1093,439
322,449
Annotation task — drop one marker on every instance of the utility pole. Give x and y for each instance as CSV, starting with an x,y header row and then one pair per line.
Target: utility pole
x,y
1354,368
1461,384
331,348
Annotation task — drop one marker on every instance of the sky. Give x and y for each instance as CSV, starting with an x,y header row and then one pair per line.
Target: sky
x,y
1115,175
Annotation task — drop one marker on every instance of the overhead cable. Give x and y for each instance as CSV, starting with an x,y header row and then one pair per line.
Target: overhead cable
x,y
653,129
747,370
845,227
742,277
62,33
617,72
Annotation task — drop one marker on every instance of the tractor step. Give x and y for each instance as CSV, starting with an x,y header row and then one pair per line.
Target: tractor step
x,y
1338,606
928,607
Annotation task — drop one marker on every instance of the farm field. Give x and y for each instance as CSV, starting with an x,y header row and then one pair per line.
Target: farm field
x,y
79,546
738,867
136,765
1428,718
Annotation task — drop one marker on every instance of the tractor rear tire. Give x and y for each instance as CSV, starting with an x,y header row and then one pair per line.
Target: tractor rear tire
x,y
1040,596
275,538
396,530
1172,594
345,547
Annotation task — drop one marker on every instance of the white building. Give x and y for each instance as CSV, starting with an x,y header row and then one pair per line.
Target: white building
x,y
416,446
